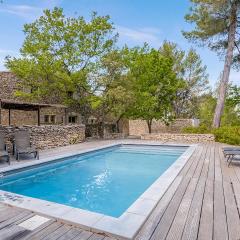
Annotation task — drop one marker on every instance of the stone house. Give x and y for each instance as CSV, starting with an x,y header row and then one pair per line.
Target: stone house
x,y
48,114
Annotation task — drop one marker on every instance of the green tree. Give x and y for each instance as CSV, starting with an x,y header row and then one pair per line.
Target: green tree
x,y
112,97
216,25
231,113
61,55
234,95
191,71
153,84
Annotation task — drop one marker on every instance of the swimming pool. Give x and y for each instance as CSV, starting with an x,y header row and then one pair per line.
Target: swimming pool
x,y
111,188
107,181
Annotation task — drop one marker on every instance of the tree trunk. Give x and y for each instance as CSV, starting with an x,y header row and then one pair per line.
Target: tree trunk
x,y
227,66
149,123
117,123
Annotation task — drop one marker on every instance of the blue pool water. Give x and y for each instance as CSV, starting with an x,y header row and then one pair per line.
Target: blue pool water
x,y
106,181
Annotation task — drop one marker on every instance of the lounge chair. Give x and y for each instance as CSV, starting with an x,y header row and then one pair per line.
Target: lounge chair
x,y
228,149
22,144
231,154
231,149
3,148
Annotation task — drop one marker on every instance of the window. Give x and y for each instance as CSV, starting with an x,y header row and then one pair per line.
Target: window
x,y
72,119
53,119
50,119
46,118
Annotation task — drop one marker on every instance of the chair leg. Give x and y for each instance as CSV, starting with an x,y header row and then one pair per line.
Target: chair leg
x,y
17,156
230,161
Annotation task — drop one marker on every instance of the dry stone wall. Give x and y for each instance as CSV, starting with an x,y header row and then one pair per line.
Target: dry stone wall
x,y
139,127
181,138
49,136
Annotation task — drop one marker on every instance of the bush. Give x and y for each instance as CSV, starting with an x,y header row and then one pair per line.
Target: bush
x,y
198,130
225,134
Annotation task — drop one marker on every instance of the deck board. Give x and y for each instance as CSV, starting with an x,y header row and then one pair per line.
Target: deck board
x,y
203,202
72,233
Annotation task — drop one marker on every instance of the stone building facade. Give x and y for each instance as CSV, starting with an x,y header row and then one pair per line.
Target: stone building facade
x,y
9,84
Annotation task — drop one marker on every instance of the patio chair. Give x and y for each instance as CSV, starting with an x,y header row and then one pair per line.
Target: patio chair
x,y
231,149
231,154
3,148
22,144
227,149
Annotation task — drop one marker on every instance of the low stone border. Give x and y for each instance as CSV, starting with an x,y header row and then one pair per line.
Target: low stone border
x,y
175,137
49,136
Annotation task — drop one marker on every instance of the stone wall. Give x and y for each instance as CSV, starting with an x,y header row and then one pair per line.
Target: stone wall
x,y
139,127
8,85
94,131
49,136
180,138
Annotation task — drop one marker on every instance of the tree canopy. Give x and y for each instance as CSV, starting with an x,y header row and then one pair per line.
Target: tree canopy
x,y
77,62
216,25
60,55
153,84
190,70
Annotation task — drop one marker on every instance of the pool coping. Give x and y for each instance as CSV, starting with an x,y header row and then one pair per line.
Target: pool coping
x,y
124,227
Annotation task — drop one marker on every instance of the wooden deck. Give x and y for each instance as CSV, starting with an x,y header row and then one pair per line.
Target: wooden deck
x,y
203,203
10,218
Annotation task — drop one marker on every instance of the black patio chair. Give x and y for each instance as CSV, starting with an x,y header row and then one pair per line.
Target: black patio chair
x,y
3,148
22,144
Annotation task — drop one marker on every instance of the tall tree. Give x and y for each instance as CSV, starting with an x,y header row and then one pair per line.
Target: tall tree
x,y
216,26
191,71
60,55
113,95
153,84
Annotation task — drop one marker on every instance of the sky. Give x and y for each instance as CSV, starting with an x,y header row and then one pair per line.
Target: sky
x,y
136,21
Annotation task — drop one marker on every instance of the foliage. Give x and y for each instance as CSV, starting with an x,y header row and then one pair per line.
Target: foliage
x,y
216,26
191,71
230,130
153,84
212,20
202,129
58,55
206,106
225,134
233,98
113,96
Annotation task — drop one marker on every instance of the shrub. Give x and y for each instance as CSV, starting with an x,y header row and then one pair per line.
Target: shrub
x,y
225,134
198,130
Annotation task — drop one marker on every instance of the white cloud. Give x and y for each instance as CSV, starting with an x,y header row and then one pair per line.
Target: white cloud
x,y
24,11
139,36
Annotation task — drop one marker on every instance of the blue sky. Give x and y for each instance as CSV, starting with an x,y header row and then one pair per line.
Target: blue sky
x,y
137,21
